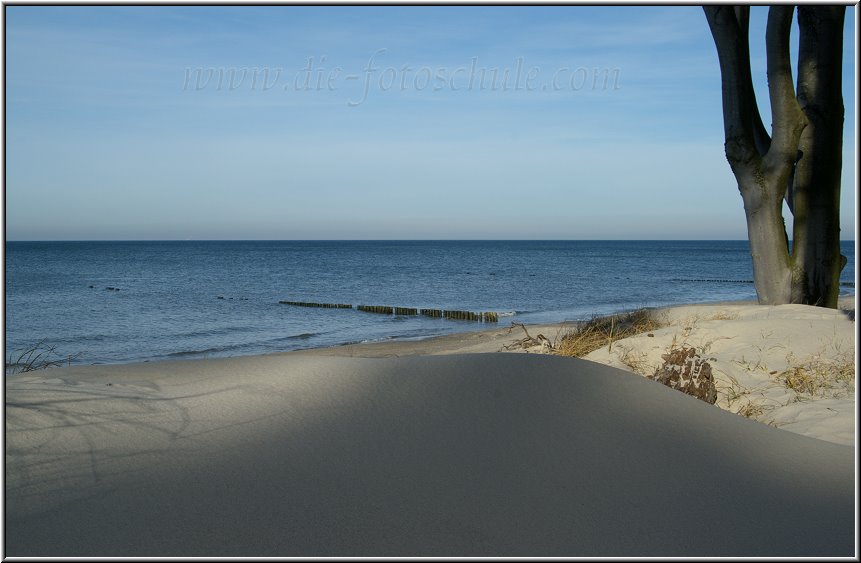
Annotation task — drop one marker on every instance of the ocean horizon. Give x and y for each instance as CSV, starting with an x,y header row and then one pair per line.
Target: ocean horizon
x,y
131,301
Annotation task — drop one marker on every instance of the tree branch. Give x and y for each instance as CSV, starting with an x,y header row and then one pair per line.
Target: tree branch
x,y
746,138
761,139
788,120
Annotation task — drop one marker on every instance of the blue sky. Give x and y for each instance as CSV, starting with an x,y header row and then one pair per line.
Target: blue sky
x,y
122,123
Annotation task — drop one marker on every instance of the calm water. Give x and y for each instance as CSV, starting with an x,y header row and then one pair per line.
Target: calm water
x,y
168,304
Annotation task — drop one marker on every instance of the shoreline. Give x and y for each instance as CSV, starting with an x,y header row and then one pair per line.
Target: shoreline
x,y
483,340
495,339
412,345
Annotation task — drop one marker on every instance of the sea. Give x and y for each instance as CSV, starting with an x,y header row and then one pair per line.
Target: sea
x,y
120,302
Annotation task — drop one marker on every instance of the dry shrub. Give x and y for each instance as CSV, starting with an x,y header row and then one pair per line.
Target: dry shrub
x,y
598,332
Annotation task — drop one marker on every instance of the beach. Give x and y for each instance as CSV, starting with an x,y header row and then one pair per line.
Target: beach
x,y
471,444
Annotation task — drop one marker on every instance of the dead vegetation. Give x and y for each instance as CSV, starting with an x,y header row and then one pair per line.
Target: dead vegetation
x,y
38,356
602,331
528,341
751,410
820,376
636,360
722,316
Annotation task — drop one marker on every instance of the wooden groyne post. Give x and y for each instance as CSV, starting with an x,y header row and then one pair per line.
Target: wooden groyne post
x,y
485,317
321,305
379,309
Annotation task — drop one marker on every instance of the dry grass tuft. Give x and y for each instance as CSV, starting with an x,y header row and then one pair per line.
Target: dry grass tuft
x,y
637,361
38,356
751,410
722,316
820,376
603,331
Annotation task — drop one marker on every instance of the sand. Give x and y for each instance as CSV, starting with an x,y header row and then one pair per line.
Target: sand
x,y
752,351
407,454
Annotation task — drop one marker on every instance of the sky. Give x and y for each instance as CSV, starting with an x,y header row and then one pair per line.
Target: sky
x,y
375,122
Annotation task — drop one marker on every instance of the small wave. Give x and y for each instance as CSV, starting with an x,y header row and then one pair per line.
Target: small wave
x,y
303,336
413,337
512,313
212,332
212,350
86,338
243,345
184,353
420,333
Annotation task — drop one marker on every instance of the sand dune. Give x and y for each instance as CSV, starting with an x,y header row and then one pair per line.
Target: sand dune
x,y
453,455
752,351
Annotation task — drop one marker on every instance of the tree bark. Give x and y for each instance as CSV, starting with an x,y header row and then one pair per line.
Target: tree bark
x,y
767,236
816,185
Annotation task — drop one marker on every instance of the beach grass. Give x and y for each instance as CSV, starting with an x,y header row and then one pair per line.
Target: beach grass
x,y
820,376
38,356
600,331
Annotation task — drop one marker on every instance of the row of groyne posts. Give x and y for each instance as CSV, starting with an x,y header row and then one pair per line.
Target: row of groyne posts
x,y
483,317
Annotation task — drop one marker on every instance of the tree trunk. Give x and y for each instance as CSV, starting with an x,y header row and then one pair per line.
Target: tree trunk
x,y
768,248
816,188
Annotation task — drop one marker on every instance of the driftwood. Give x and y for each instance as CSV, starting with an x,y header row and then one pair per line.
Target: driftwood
x,y
529,341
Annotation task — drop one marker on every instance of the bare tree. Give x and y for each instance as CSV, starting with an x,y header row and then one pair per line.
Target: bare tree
x,y
800,162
